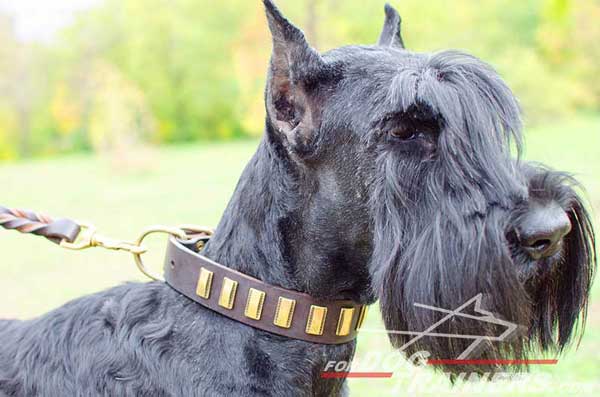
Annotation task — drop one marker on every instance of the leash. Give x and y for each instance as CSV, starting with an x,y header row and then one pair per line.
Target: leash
x,y
226,291
73,235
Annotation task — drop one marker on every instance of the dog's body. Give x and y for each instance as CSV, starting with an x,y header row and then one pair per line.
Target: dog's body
x,y
382,174
148,340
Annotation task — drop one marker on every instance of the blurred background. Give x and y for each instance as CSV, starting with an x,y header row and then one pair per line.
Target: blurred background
x,y
127,113
94,75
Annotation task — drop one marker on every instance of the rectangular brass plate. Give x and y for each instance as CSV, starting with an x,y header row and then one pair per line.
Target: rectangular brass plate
x,y
284,312
204,283
228,289
344,322
361,316
254,304
316,320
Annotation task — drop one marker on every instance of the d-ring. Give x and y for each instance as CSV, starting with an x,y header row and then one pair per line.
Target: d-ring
x,y
172,231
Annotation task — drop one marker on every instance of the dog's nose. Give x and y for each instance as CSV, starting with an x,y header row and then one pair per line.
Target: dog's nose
x,y
542,230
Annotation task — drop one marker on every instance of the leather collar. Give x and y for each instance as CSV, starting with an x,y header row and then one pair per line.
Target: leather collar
x,y
258,304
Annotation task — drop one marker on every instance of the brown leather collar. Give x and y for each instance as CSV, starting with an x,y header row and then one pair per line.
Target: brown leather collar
x,y
226,291
257,304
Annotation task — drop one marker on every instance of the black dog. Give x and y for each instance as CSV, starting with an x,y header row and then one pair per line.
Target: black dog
x,y
383,173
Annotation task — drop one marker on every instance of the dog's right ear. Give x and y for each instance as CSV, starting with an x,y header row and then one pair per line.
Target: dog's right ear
x,y
391,34
295,74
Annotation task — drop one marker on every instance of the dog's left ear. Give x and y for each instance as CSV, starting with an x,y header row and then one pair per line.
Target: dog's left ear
x,y
296,73
391,35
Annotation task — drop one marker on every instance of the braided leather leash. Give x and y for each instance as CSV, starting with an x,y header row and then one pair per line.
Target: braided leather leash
x,y
74,235
39,224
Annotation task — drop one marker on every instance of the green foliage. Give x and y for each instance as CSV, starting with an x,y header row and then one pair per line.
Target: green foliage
x,y
157,71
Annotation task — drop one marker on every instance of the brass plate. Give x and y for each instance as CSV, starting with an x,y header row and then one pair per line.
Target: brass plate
x,y
228,290
344,322
361,316
284,312
204,283
254,304
316,320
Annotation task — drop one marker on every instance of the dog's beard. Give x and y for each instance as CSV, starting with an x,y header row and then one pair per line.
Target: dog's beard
x,y
434,251
445,263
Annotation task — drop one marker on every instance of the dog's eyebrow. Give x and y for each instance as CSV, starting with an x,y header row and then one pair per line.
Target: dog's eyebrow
x,y
393,116
393,119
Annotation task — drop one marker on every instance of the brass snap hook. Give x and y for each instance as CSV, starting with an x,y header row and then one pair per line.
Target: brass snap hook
x,y
89,238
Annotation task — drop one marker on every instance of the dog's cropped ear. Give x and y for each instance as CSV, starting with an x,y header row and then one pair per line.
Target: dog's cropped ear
x,y
296,73
391,35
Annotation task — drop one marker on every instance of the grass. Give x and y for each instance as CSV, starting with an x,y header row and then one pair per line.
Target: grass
x,y
192,184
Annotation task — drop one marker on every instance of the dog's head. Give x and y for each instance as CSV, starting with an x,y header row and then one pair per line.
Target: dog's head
x,y
404,158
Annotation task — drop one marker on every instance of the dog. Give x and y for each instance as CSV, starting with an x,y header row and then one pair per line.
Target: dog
x,y
382,174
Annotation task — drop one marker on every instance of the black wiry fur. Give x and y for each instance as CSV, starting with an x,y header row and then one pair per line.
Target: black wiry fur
x,y
383,173
559,288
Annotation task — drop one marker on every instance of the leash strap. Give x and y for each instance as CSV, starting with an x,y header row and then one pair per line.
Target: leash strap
x,y
257,304
42,225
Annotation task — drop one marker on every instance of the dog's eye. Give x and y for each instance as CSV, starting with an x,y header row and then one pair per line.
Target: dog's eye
x,y
404,133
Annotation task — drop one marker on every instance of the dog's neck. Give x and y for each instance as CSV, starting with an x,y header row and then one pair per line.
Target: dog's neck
x,y
266,233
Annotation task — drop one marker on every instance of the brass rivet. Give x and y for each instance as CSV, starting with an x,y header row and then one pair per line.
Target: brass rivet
x,y
204,283
345,321
284,312
316,320
254,304
228,290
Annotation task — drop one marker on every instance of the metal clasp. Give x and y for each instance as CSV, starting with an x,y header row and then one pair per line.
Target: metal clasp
x,y
88,238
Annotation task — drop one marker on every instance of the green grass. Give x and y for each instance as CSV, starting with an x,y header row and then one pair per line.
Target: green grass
x,y
192,185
